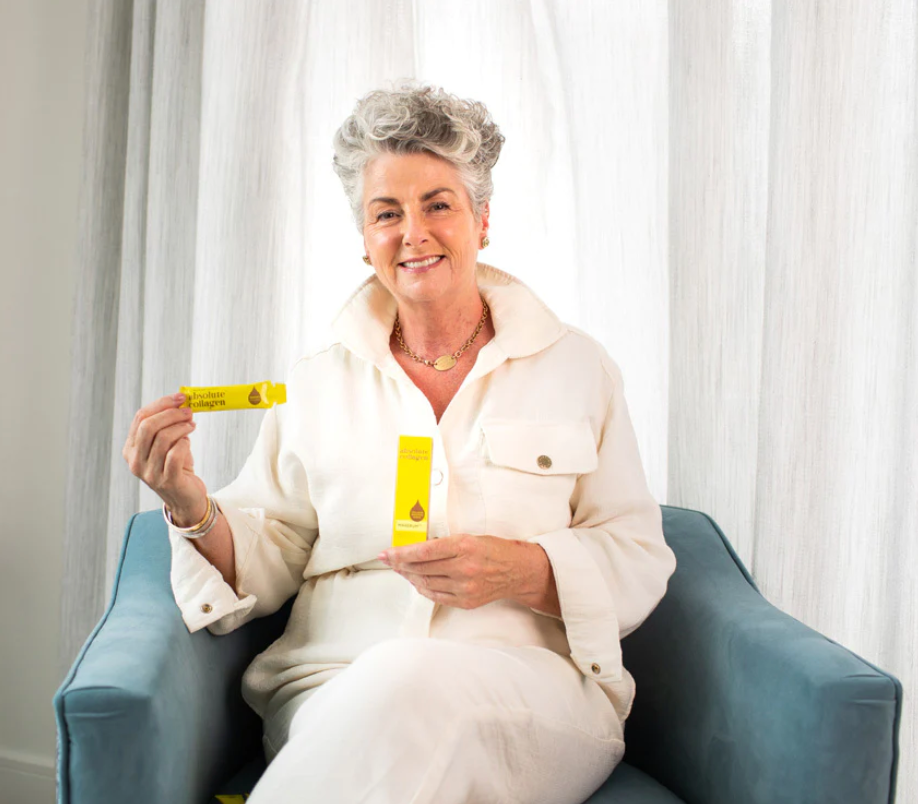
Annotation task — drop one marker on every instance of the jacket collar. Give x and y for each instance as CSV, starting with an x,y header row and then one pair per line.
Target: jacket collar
x,y
523,325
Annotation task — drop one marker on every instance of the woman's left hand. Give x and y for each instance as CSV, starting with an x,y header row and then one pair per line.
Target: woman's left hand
x,y
470,571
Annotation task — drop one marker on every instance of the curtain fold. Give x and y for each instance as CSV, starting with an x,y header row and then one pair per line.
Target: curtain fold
x,y
123,490
724,194
86,559
720,101
836,510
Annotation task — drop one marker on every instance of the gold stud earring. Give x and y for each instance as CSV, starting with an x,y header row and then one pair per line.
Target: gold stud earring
x,y
485,243
366,259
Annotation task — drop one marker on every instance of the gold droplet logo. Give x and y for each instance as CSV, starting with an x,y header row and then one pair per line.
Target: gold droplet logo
x,y
254,397
417,513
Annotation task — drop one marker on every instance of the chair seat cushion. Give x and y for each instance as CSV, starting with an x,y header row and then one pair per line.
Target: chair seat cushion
x,y
627,785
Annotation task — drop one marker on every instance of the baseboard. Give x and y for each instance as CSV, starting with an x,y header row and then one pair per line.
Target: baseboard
x,y
26,763
26,778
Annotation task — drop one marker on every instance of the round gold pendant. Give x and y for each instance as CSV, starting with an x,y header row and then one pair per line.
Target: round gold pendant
x,y
444,363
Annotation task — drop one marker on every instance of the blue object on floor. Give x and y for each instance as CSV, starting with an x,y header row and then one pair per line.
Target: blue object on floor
x,y
737,703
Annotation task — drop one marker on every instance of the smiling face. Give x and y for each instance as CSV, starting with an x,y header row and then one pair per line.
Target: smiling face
x,y
421,231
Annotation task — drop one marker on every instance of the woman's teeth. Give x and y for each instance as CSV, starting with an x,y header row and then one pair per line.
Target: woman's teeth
x,y
421,263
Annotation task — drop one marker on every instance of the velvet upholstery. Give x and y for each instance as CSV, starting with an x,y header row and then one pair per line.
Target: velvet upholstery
x,y
737,702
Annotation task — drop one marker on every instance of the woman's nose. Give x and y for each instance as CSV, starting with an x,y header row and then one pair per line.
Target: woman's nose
x,y
415,229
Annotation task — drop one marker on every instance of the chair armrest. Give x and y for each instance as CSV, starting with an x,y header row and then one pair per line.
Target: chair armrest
x,y
739,702
149,712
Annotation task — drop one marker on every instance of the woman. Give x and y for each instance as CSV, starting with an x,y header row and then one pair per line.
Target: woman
x,y
483,664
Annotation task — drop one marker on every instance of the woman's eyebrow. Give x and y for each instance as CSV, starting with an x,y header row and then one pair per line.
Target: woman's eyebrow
x,y
426,197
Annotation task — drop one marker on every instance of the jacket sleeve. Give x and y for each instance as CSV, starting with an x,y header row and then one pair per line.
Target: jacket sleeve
x,y
273,526
612,565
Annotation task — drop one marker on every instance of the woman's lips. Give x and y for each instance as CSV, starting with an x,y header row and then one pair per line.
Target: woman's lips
x,y
421,269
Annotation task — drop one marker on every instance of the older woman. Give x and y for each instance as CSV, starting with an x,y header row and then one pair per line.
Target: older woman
x,y
482,665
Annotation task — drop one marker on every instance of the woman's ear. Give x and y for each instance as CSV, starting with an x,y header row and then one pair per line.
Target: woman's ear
x,y
485,216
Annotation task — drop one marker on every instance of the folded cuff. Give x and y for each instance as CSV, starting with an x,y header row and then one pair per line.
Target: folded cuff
x,y
587,608
203,596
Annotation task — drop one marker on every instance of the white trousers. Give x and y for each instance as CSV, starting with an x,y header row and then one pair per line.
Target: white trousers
x,y
418,721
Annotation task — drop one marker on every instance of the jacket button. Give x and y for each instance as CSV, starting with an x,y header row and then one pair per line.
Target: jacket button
x,y
596,669
207,608
544,462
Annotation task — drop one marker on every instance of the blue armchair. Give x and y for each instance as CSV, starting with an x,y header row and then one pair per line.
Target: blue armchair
x,y
737,702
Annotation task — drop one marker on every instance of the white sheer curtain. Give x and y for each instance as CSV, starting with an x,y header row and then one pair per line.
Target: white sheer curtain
x,y
725,194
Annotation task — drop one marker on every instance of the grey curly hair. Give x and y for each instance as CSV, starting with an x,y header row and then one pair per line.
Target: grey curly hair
x,y
418,119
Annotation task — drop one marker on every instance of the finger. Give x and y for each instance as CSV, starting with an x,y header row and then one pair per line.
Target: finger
x,y
176,458
433,550
149,429
162,444
432,583
446,599
443,566
161,404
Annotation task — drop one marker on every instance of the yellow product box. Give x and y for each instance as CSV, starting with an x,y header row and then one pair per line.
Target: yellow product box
x,y
412,490
234,397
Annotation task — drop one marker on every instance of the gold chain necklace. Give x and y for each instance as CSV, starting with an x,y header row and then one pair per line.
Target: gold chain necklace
x,y
444,362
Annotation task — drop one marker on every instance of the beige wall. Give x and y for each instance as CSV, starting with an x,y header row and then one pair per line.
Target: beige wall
x,y
41,119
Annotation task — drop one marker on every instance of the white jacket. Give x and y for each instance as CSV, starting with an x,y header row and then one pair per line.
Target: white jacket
x,y
313,505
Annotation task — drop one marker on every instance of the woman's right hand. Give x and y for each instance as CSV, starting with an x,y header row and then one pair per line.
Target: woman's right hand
x,y
158,451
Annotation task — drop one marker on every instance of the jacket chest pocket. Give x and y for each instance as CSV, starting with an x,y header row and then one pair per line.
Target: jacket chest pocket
x,y
529,473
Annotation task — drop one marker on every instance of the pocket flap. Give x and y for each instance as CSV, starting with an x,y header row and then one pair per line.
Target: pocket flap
x,y
542,449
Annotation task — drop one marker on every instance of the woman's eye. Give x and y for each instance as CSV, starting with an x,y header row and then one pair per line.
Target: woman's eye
x,y
436,206
384,216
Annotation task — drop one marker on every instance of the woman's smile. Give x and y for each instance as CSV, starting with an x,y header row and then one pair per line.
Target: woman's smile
x,y
421,265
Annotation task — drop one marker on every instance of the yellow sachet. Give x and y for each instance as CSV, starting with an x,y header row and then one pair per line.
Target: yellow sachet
x,y
412,490
234,397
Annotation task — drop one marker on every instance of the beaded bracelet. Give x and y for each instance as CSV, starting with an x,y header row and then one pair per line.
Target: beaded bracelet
x,y
203,527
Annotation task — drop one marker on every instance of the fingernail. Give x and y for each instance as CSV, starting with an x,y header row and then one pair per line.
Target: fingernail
x,y
384,557
178,398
